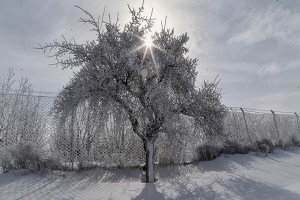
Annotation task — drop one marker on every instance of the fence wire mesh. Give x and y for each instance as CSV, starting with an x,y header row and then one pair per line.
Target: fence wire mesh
x,y
91,138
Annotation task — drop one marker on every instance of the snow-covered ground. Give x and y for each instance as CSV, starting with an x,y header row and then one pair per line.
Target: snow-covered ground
x,y
228,177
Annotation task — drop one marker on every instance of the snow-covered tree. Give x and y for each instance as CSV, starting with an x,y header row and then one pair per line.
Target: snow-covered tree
x,y
21,113
149,76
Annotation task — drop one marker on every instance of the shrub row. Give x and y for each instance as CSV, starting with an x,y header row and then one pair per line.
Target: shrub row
x,y
24,156
210,152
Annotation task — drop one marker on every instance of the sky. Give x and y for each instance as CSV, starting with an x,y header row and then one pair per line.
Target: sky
x,y
253,46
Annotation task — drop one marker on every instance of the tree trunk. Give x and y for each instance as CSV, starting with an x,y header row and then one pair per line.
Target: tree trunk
x,y
149,148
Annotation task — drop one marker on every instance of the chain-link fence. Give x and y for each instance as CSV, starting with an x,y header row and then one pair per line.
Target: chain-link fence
x,y
90,137
249,125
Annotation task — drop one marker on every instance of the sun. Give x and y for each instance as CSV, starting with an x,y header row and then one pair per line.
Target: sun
x,y
148,40
149,46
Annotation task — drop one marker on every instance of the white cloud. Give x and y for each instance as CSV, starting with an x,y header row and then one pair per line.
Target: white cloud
x,y
271,68
274,68
272,23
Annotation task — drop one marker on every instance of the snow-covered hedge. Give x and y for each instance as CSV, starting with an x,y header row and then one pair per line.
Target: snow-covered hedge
x,y
20,156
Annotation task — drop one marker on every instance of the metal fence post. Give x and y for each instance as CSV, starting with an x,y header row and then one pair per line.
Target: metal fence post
x,y
298,125
247,129
72,132
275,123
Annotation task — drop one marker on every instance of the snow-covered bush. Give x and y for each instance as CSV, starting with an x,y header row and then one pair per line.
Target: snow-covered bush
x,y
281,144
20,156
26,156
22,123
51,163
21,113
267,142
294,141
207,152
5,160
232,147
252,147
262,148
289,144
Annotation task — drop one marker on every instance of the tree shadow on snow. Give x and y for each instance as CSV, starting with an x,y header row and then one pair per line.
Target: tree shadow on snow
x,y
228,162
149,192
279,153
254,190
235,187
170,172
85,179
18,184
15,175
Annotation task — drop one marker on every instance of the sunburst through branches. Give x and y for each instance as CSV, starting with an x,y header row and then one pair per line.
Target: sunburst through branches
x,y
148,40
148,45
